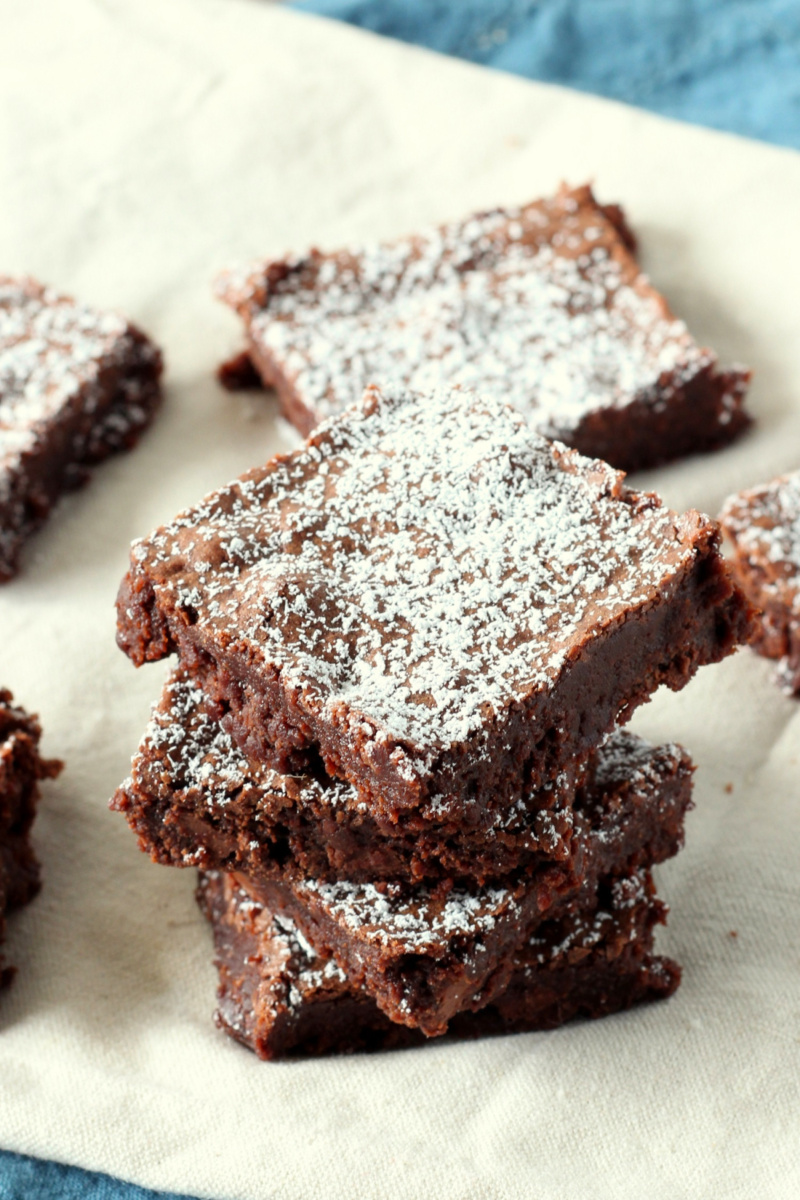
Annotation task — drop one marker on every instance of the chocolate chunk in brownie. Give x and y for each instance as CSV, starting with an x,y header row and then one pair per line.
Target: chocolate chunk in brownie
x,y
21,769
281,998
763,525
427,952
75,386
544,306
194,800
432,600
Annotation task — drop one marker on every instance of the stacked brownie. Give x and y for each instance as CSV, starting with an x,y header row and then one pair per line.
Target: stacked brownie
x,y
391,741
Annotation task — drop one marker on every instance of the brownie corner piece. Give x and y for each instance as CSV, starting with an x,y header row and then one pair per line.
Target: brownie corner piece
x,y
76,385
21,769
433,598
543,305
763,527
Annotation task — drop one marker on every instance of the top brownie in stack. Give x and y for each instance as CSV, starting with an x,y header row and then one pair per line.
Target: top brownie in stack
x,y
544,306
430,601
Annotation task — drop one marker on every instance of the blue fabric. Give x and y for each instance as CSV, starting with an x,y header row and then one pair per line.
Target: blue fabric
x,y
23,1178
730,64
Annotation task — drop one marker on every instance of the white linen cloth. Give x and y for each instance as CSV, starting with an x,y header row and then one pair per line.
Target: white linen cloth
x,y
148,143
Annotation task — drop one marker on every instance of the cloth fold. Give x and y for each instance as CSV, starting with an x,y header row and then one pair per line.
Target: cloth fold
x,y
730,64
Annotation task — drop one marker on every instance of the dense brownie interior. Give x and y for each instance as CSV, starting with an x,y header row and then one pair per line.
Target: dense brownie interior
x,y
195,800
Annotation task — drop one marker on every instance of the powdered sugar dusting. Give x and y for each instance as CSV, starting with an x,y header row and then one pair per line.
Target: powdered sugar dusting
x,y
586,929
55,356
542,306
417,922
51,348
764,522
423,563
302,975
184,745
626,757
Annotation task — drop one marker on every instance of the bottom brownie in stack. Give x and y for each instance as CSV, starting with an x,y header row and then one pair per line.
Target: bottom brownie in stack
x,y
385,962
281,998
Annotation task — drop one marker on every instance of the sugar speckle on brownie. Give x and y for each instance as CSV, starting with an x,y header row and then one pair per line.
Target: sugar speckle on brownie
x,y
75,385
763,524
543,305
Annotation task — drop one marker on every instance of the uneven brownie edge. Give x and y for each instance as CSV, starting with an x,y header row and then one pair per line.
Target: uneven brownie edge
x,y
21,769
277,996
536,632
668,398
76,385
763,526
194,800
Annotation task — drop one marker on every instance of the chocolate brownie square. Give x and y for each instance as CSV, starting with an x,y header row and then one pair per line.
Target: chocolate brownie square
x,y
75,386
763,525
430,601
21,769
281,998
194,800
544,306
428,952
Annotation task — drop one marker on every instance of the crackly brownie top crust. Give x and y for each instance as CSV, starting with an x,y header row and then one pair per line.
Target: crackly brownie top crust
x,y
52,350
420,566
543,305
764,524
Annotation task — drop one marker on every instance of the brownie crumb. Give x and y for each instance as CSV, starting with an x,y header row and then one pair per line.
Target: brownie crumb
x,y
238,374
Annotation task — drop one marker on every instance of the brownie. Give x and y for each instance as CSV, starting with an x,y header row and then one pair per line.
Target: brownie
x,y
75,386
193,800
544,306
427,952
763,525
282,999
21,769
430,601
